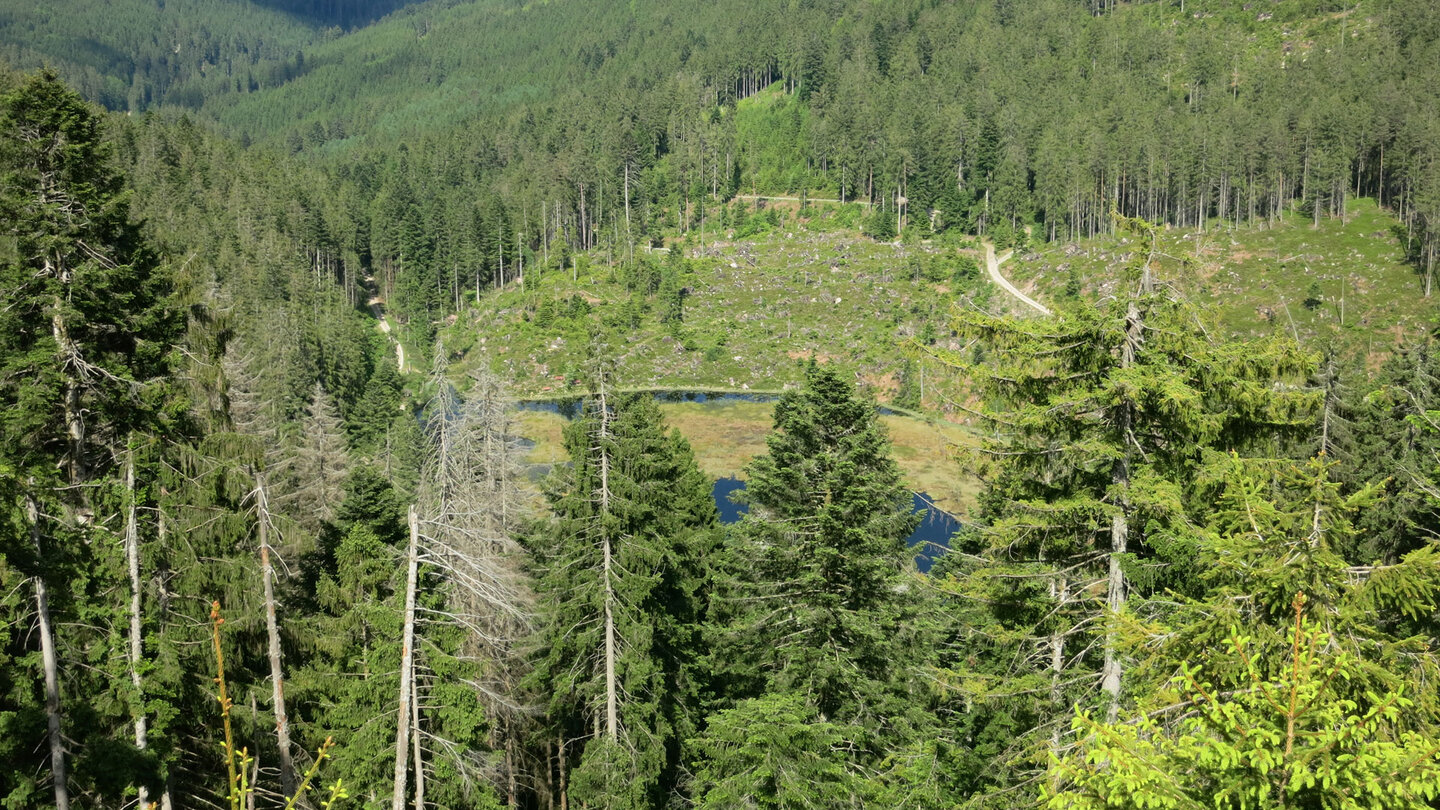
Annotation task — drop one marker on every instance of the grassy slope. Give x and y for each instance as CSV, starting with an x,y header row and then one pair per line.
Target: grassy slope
x,y
756,309
1259,279
1255,280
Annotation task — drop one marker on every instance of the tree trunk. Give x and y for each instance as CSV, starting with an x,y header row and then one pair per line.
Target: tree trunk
x,y
1120,522
48,662
629,239
132,560
564,785
415,744
74,413
272,633
1115,602
162,605
402,734
611,700
1060,591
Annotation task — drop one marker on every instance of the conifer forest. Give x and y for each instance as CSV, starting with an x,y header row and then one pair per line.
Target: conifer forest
x,y
730,405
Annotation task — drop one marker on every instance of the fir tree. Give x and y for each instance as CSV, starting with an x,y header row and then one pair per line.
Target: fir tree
x,y
1326,697
1288,736
85,338
622,575
1393,443
317,469
1098,421
822,615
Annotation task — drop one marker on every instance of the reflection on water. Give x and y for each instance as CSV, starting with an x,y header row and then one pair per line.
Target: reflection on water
x,y
929,540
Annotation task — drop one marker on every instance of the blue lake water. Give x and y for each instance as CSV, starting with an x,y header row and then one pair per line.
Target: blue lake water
x,y
929,540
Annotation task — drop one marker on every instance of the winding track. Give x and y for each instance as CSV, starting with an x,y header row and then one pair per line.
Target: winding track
x,y
992,265
377,308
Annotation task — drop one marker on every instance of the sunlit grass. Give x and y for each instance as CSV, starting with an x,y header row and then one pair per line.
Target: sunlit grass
x,y
727,435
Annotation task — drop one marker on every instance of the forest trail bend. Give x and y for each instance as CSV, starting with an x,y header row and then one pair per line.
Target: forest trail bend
x,y
377,308
992,265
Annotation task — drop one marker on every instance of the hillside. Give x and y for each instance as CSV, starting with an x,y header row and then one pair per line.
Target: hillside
x,y
1345,283
570,120
140,54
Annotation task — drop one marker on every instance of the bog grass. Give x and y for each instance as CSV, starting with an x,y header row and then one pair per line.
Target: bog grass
x,y
727,435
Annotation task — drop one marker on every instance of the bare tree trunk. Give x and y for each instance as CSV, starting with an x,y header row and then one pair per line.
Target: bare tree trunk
x,y
272,634
629,239
70,355
564,786
1060,591
1114,603
1115,586
415,744
611,700
407,661
512,786
163,610
49,663
132,560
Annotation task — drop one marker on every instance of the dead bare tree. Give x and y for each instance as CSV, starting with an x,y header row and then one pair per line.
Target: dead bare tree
x,y
272,634
470,505
407,667
132,565
49,662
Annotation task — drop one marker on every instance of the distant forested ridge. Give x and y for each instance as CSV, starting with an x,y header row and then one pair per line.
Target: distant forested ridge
x,y
608,123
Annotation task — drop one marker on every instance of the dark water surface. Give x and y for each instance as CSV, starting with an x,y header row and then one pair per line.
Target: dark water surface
x,y
928,541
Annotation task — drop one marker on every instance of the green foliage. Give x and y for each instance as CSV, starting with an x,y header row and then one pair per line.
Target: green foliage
x,y
1096,471
89,331
908,395
1276,531
1392,444
423,161
777,752
1289,736
880,224
86,323
629,549
822,610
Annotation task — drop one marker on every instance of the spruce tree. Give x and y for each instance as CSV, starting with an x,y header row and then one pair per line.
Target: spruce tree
x,y
622,576
1296,680
472,505
318,465
821,623
85,339
1098,421
1393,443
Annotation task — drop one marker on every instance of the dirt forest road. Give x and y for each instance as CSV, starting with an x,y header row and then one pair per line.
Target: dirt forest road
x,y
377,308
992,265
